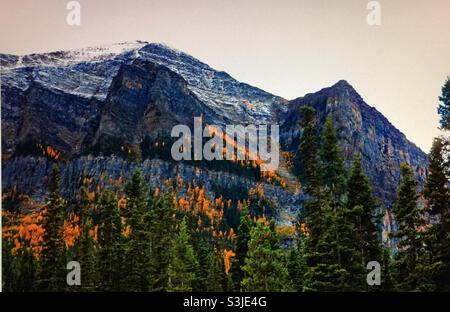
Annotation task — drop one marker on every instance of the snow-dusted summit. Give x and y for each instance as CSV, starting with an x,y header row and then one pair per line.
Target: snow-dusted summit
x,y
88,73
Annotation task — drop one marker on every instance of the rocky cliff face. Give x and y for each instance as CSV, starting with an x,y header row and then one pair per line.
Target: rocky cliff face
x,y
100,101
361,130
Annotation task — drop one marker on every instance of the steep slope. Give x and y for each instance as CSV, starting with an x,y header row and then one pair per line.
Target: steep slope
x,y
361,130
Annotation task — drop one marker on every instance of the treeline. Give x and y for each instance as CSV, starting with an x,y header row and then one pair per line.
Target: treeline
x,y
155,241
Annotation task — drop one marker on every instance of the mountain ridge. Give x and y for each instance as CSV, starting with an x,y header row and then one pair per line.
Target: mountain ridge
x,y
107,100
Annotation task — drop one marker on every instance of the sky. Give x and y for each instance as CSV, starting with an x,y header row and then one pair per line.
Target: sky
x,y
286,47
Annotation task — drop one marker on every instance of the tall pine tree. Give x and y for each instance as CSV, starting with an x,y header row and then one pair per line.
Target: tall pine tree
x,y
444,107
137,262
406,266
111,242
437,193
264,267
362,206
331,163
85,245
243,236
162,234
183,262
53,274
308,151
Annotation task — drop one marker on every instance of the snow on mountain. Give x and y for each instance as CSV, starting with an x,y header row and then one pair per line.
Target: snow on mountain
x,y
85,72
239,102
88,73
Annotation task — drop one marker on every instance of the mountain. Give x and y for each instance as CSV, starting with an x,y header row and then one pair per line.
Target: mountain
x,y
361,130
103,111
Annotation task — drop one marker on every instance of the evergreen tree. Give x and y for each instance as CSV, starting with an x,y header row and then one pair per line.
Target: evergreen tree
x,y
333,179
323,270
18,269
361,207
26,269
264,268
183,262
437,193
8,266
406,265
111,242
162,234
296,268
332,228
332,166
137,254
444,107
215,276
242,238
320,252
308,151
53,274
85,246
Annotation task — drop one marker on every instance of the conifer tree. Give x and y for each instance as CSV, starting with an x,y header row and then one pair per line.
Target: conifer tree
x,y
242,238
444,107
319,245
26,269
361,206
137,254
183,262
296,268
215,276
85,246
323,270
8,266
437,193
53,274
331,163
162,234
308,151
111,242
264,267
331,224
406,265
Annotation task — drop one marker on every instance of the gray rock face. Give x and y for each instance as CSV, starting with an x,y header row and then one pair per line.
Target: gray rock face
x,y
30,175
361,130
90,99
147,99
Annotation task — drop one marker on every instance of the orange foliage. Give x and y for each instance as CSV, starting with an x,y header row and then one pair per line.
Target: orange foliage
x,y
50,151
122,203
285,231
127,231
91,196
227,255
71,230
94,233
304,229
232,235
26,230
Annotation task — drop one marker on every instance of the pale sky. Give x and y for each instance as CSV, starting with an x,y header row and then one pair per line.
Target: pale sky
x,y
286,47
